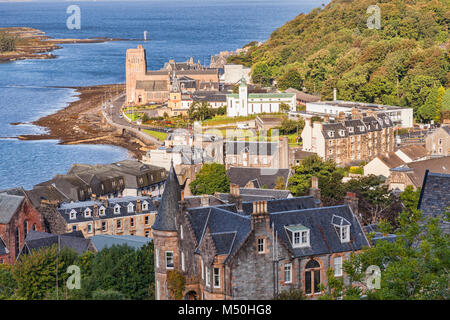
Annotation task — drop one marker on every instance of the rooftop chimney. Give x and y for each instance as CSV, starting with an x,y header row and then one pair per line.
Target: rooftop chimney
x,y
341,116
138,206
205,200
235,196
260,214
314,190
326,118
352,201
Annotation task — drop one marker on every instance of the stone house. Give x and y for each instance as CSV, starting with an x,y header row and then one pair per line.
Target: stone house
x,y
382,165
438,143
251,250
17,218
350,140
257,154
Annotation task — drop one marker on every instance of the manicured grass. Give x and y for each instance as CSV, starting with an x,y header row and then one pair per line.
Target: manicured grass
x,y
158,135
225,120
133,116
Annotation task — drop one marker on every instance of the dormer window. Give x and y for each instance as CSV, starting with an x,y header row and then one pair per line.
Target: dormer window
x,y
299,235
117,209
350,129
342,227
130,207
331,134
342,133
102,211
73,215
145,205
361,128
87,213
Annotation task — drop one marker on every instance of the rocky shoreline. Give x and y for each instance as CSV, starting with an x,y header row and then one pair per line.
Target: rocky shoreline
x,y
34,44
82,122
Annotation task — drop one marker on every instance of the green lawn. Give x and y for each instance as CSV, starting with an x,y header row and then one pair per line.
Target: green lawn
x,y
133,116
158,135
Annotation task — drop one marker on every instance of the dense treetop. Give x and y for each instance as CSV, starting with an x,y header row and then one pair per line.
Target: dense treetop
x,y
399,64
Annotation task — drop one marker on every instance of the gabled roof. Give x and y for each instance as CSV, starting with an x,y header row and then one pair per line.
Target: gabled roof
x,y
36,240
9,204
417,169
260,176
391,160
254,148
414,151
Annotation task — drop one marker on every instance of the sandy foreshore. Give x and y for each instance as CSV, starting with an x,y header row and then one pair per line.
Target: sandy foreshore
x,y
82,122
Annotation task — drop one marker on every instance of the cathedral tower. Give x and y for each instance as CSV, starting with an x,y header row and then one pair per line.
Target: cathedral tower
x,y
136,67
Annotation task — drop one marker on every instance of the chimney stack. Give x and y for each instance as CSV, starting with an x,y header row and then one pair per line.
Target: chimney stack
x,y
334,94
95,211
326,118
259,207
341,116
138,206
205,200
352,201
314,190
260,214
235,196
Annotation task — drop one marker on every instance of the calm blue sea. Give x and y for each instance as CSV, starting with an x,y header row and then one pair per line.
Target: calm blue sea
x,y
177,30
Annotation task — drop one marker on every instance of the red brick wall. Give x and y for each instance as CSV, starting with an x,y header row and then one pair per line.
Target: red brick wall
x,y
28,213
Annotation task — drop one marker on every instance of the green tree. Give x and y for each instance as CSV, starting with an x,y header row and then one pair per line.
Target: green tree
x,y
284,107
211,178
7,283
280,184
290,79
431,107
200,111
330,179
262,74
291,294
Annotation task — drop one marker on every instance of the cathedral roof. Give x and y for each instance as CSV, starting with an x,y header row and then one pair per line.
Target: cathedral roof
x,y
165,218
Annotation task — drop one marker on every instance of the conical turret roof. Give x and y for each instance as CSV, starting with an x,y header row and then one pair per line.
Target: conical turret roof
x,y
165,218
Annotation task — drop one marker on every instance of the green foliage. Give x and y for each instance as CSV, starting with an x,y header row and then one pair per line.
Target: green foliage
x,y
280,184
445,106
291,294
109,294
176,284
7,283
291,126
200,111
284,107
262,74
414,267
7,43
211,178
333,48
356,170
35,274
410,198
330,176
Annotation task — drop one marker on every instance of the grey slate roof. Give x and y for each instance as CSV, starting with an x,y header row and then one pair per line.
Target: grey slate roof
x,y
104,241
9,204
435,194
165,218
336,128
357,125
254,194
372,124
229,229
37,240
260,176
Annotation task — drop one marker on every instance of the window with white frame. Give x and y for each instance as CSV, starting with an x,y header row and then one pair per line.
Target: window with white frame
x,y
207,276
169,259
102,211
87,213
261,245
288,273
338,266
350,129
89,228
342,226
130,207
299,235
345,233
117,209
331,134
216,278
145,205
181,232
73,215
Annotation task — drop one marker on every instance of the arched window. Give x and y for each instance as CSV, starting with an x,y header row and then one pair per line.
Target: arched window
x,y
34,226
25,229
312,277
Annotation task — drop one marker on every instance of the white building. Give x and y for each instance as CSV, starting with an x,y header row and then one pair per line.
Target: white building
x,y
244,104
235,72
402,117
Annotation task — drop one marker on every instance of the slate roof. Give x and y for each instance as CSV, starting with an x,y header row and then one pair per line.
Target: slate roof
x,y
80,207
446,128
357,125
254,194
241,176
230,229
36,240
254,148
9,204
50,193
391,160
168,207
372,124
384,120
336,127
435,194
280,205
104,241
416,170
152,85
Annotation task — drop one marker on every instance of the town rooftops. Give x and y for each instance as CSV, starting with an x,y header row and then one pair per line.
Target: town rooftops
x,y
334,130
263,95
416,170
414,151
260,177
391,160
45,193
103,241
254,194
359,105
303,96
229,229
9,204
